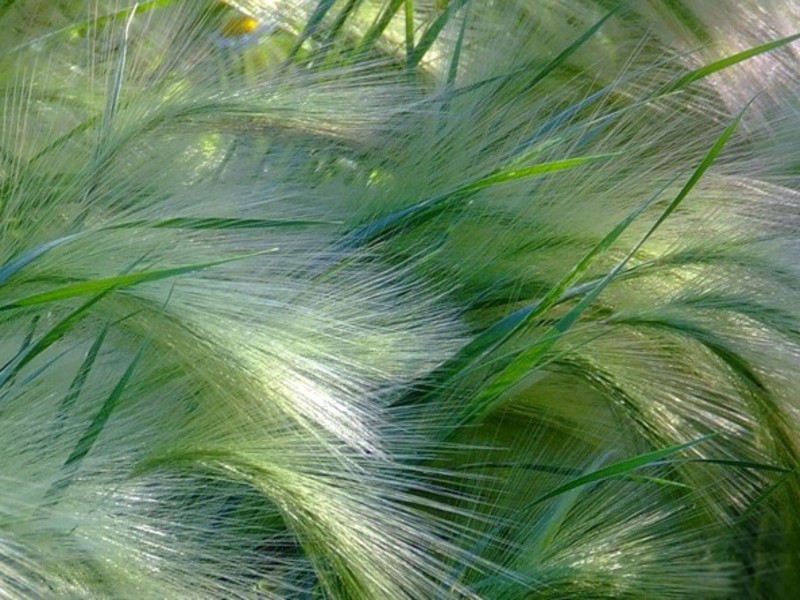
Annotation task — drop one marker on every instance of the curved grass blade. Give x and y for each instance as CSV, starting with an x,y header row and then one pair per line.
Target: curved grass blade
x,y
10,269
433,206
681,83
618,469
181,458
724,63
122,281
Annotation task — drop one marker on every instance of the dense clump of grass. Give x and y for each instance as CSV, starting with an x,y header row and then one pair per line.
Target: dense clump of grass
x,y
394,299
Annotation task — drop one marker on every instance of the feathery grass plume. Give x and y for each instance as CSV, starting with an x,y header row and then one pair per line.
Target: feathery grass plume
x,y
393,299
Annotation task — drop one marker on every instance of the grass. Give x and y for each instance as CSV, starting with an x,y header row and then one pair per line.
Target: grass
x,y
393,299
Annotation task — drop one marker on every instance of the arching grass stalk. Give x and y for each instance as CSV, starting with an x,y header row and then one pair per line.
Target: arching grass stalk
x,y
365,299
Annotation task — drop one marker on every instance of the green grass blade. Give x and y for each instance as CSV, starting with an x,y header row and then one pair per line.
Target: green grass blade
x,y
92,433
764,496
528,359
682,82
562,57
183,458
547,527
431,34
742,464
515,74
689,20
311,26
433,206
80,377
623,469
341,19
452,70
409,15
8,270
114,283
373,33
81,127
99,421
618,469
500,332
537,170
56,333
724,63
698,174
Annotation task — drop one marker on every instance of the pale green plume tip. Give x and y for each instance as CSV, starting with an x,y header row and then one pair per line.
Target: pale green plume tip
x,y
360,299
